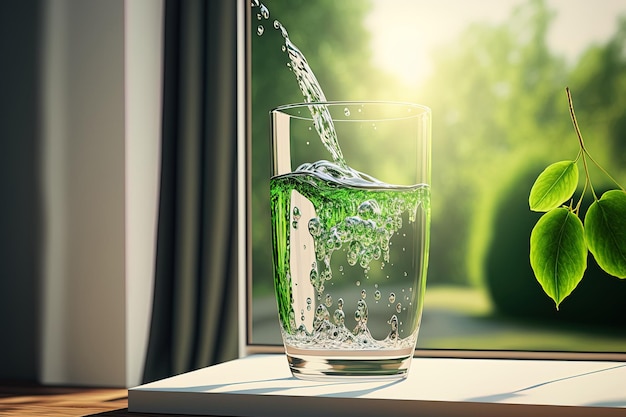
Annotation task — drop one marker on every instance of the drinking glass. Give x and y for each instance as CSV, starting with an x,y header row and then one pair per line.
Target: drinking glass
x,y
350,208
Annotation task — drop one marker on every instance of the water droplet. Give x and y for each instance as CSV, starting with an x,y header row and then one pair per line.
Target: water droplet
x,y
259,30
392,297
258,16
340,303
358,283
346,112
363,294
296,213
406,274
377,295
255,3
265,11
340,268
329,300
277,24
308,300
294,224
399,307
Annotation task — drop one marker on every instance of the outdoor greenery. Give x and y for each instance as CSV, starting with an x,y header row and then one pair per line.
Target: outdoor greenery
x,y
559,241
500,115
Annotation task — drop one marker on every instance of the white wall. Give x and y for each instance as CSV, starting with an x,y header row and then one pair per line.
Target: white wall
x,y
101,112
143,63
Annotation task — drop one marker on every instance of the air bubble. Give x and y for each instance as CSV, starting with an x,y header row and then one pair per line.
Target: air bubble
x,y
339,316
369,209
321,313
360,314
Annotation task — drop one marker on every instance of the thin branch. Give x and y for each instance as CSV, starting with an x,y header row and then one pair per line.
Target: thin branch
x,y
580,141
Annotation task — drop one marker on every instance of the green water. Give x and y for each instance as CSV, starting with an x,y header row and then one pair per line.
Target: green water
x,y
327,231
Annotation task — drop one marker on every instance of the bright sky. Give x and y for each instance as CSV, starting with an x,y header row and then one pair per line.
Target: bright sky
x,y
418,26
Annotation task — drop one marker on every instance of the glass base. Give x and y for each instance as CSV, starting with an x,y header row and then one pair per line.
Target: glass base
x,y
326,365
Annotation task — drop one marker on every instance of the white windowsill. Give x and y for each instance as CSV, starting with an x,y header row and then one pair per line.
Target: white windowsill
x,y
262,386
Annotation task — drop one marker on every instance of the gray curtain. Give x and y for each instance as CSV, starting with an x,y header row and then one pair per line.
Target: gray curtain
x,y
194,319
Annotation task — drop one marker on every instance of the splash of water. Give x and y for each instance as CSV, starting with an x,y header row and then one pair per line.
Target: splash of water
x,y
311,90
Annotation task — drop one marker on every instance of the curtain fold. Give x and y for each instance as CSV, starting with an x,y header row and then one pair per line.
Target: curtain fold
x,y
194,318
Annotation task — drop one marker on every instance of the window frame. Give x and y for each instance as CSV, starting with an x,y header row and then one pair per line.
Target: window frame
x,y
246,344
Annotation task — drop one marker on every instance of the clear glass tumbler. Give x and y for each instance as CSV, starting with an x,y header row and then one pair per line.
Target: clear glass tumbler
x,y
350,207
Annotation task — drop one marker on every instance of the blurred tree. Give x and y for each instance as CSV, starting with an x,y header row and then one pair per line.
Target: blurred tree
x,y
498,96
599,83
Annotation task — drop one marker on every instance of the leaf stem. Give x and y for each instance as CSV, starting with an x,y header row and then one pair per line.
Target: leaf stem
x,y
581,142
583,149
580,200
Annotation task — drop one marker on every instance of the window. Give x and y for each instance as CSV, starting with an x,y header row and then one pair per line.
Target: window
x,y
494,74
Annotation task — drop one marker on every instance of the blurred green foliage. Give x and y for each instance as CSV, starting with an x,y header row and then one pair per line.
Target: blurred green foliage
x,y
499,107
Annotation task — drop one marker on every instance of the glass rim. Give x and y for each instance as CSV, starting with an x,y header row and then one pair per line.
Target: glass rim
x,y
389,103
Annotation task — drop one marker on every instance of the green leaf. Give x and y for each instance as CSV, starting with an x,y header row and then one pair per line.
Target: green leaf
x,y
558,254
555,185
605,232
